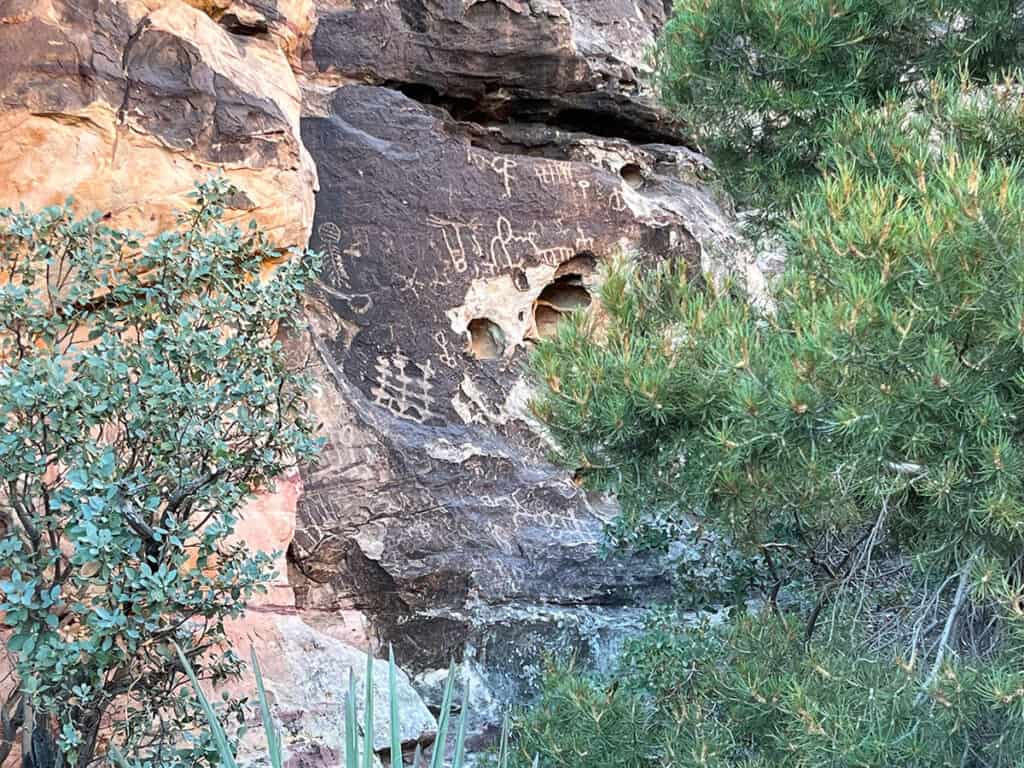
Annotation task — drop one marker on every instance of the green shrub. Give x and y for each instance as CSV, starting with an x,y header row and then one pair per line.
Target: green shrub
x,y
886,382
860,437
143,400
762,80
748,692
580,722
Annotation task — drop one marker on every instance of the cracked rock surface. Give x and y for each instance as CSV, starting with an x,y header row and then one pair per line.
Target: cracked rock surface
x,y
124,106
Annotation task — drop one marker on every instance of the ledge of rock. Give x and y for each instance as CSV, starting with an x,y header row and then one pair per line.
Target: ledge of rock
x,y
566,62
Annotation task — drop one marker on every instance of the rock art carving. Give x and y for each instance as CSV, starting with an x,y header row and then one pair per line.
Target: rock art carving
x,y
404,387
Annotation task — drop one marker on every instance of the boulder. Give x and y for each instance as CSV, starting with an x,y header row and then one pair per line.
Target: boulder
x,y
306,677
479,161
450,248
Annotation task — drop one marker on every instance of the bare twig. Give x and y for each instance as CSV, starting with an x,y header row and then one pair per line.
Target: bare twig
x,y
947,630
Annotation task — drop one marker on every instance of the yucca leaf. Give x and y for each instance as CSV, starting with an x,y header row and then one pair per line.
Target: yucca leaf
x,y
417,756
368,714
503,743
437,758
396,727
351,739
227,757
274,752
460,738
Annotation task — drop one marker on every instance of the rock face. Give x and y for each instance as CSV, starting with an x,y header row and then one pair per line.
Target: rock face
x,y
307,678
577,62
477,163
124,106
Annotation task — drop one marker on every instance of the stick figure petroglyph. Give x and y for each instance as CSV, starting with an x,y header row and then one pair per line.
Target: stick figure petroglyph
x,y
583,243
502,165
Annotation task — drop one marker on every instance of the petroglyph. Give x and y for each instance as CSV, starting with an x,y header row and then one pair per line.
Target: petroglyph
x,y
583,243
472,406
409,283
455,240
554,173
441,279
501,165
526,513
468,411
404,387
330,238
447,356
506,245
555,256
509,249
359,303
319,523
354,455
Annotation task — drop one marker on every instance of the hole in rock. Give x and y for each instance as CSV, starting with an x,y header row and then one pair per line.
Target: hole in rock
x,y
486,339
565,294
582,264
546,319
632,175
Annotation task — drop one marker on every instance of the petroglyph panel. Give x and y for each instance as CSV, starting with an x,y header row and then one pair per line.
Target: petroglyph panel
x,y
404,387
438,495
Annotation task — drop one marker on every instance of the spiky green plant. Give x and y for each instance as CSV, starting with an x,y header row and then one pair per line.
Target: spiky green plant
x,y
354,757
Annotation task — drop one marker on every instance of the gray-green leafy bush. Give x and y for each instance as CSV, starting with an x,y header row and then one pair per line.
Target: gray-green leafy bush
x,y
144,399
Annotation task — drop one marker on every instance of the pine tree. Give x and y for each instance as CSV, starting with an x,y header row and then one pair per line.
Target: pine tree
x,y
860,442
760,80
